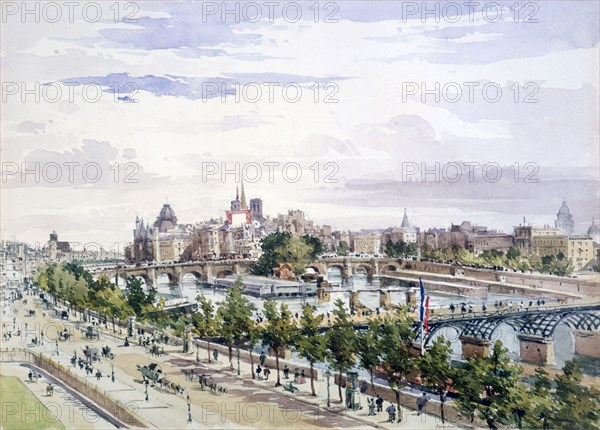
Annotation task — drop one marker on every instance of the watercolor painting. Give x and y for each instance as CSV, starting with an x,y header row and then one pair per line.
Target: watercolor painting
x,y
300,214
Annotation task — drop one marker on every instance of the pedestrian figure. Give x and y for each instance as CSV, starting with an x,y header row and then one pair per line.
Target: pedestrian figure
x,y
258,372
391,411
98,375
371,403
379,403
266,372
30,374
215,354
296,375
484,309
421,402
286,372
262,358
126,341
302,376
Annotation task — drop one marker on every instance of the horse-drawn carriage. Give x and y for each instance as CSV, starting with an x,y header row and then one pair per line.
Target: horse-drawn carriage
x,y
92,332
152,372
91,354
30,312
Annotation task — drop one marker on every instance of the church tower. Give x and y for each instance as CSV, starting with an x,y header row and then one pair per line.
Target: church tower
x,y
244,206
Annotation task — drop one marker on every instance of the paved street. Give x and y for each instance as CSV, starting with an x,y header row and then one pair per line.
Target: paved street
x,y
247,404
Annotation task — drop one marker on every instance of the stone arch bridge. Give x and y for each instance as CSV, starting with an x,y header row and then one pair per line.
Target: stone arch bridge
x,y
354,265
203,271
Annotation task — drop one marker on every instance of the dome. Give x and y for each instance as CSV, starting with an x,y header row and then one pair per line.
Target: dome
x,y
167,213
466,225
564,209
166,220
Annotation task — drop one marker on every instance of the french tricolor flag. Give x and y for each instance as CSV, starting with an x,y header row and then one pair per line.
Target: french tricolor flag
x,y
424,308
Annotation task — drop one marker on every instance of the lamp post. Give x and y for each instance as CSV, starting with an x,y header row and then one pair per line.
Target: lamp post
x,y
147,383
189,405
328,376
112,371
197,353
57,346
238,361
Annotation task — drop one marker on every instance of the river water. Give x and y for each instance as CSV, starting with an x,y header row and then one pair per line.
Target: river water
x,y
563,340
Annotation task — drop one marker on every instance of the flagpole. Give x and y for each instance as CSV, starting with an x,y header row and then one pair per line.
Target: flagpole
x,y
421,312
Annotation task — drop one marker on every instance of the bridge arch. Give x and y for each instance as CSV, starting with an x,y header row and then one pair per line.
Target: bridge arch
x,y
363,268
224,273
172,278
389,267
315,268
195,273
339,266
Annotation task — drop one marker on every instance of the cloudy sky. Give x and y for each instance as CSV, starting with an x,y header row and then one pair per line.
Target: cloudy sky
x,y
348,110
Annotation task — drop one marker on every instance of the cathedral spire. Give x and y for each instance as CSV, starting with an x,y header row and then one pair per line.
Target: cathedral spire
x,y
405,223
244,205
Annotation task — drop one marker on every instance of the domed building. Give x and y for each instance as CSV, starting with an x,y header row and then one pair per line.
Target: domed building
x,y
564,220
166,220
594,231
164,241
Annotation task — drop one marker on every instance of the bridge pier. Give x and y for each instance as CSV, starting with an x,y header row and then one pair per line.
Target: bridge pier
x,y
411,297
355,302
536,349
322,295
207,274
385,300
473,347
587,343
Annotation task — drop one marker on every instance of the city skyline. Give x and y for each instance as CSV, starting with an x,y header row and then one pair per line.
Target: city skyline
x,y
365,115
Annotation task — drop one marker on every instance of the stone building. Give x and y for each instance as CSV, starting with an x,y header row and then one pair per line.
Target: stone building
x,y
367,244
165,240
580,251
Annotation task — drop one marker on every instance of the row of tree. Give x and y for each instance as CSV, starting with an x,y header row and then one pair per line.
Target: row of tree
x,y
489,388
70,282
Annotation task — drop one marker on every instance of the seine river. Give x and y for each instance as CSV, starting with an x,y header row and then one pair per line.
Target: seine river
x,y
563,341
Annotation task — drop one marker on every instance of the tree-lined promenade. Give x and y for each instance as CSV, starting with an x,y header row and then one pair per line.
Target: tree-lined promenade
x,y
488,388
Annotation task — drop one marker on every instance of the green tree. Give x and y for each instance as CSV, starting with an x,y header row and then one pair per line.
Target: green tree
x,y
295,252
254,334
368,348
311,344
316,246
491,388
578,406
233,317
280,330
436,371
542,406
396,340
341,342
513,253
343,248
205,321
270,257
137,299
